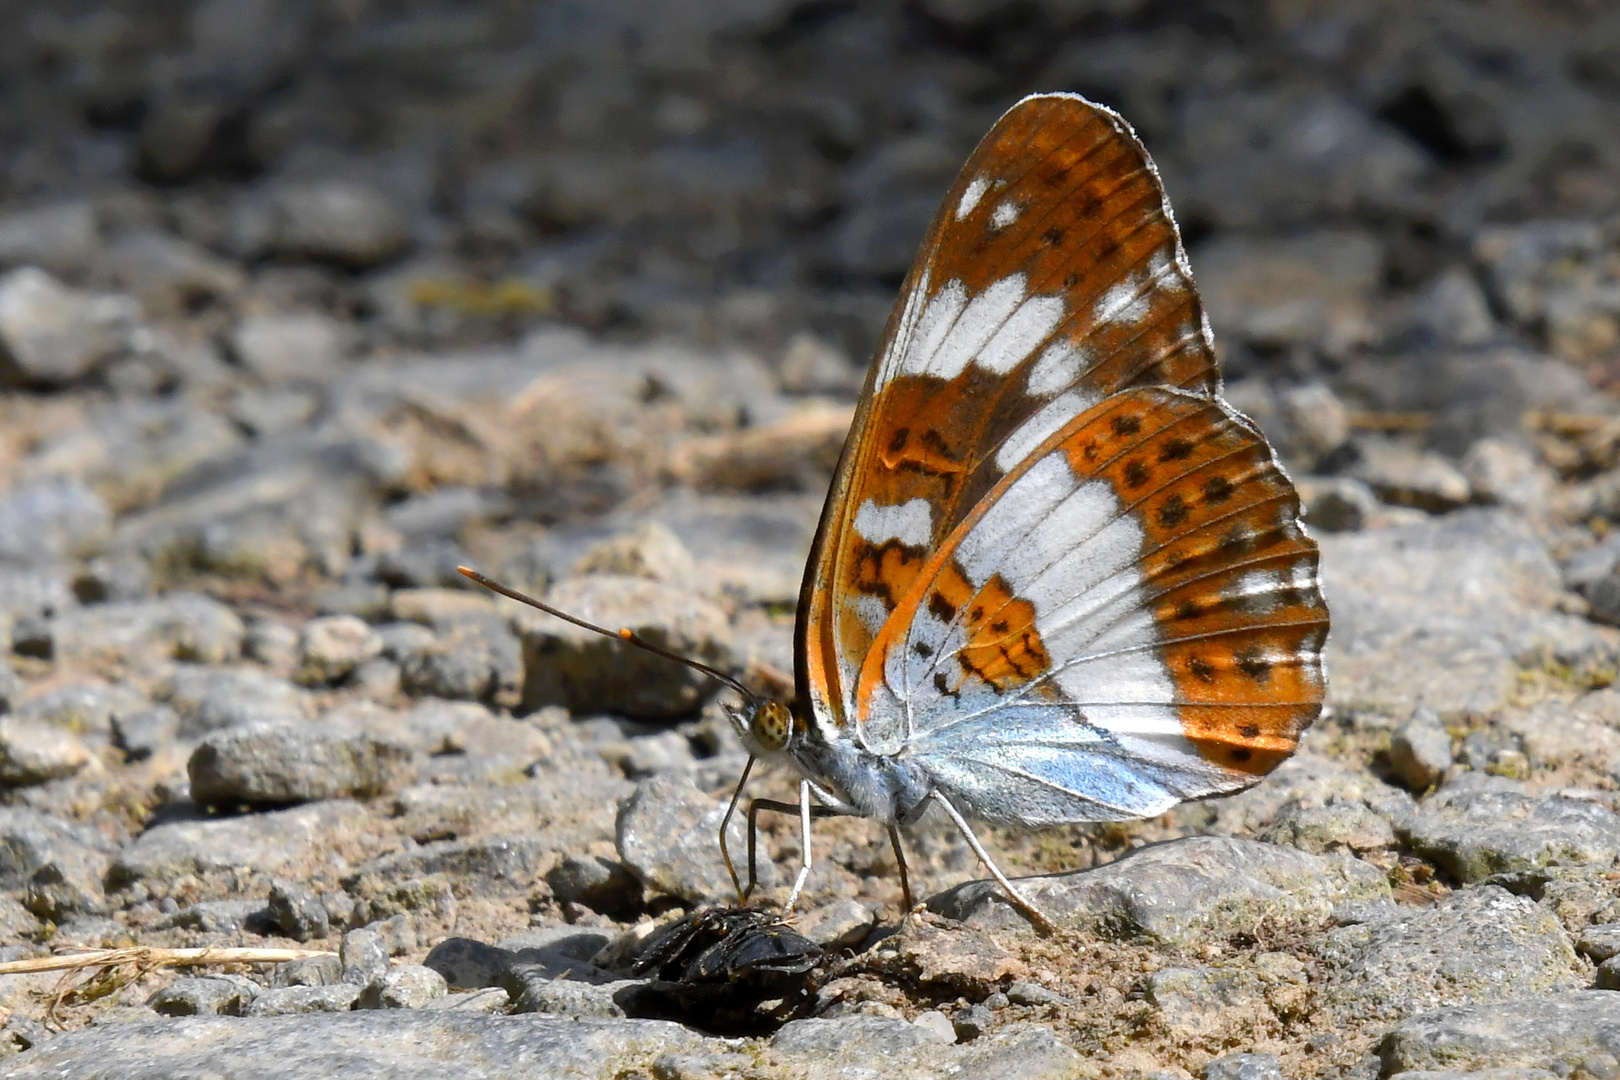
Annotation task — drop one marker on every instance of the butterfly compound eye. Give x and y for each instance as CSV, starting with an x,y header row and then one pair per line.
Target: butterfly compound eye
x,y
771,726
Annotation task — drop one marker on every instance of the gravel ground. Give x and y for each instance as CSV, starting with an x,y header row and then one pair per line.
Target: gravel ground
x,y
303,304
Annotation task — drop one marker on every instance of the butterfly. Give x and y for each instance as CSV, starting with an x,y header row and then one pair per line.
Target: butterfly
x,y
1057,578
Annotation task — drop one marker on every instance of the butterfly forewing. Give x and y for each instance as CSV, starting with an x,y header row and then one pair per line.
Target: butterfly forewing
x,y
1130,618
1052,277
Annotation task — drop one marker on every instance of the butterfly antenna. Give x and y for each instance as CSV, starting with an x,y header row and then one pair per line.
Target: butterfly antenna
x,y
623,633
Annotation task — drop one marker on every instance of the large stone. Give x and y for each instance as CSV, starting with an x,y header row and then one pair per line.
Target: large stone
x,y
50,521
59,236
1179,892
669,837
476,658
279,348
32,752
1561,1032
1420,750
331,647
1481,825
58,867
385,1044
346,222
285,763
1480,945
267,843
586,672
183,626
52,334
167,274
84,708
1439,613
496,864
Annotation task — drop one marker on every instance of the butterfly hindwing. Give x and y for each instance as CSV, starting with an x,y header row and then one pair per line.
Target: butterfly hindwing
x,y
1052,277
1130,618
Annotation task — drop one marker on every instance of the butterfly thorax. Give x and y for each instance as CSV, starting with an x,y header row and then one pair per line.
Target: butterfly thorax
x,y
844,774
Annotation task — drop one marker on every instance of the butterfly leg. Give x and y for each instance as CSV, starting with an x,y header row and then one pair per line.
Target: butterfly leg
x,y
1042,923
900,861
725,855
807,812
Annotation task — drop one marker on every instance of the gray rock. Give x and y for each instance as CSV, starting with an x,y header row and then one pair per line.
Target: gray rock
x,y
496,864
220,916
1607,976
491,999
597,883
325,970
367,600
566,997
205,996
363,1045
283,348
1338,504
473,659
467,964
652,551
331,647
273,644
1479,945
68,884
347,222
364,955
179,626
51,521
268,842
32,752
401,639
212,699
83,708
117,575
1572,1030
840,924
1180,891
424,898
53,334
1420,750
285,763
146,732
59,236
1244,1067
668,835
1599,941
585,672
297,910
899,1049
1206,1003
1481,825
1437,613
408,987
298,1000
167,274
1336,826
1406,476
30,840
1506,474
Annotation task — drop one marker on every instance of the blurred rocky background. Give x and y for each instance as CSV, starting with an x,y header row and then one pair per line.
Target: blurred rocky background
x,y
303,303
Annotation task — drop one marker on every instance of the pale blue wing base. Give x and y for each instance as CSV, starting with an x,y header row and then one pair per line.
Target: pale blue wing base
x,y
1041,765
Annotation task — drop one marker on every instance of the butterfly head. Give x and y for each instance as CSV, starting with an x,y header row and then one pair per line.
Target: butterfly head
x,y
764,726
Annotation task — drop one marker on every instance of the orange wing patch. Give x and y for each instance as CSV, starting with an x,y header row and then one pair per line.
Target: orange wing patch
x,y
1004,648
1231,574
